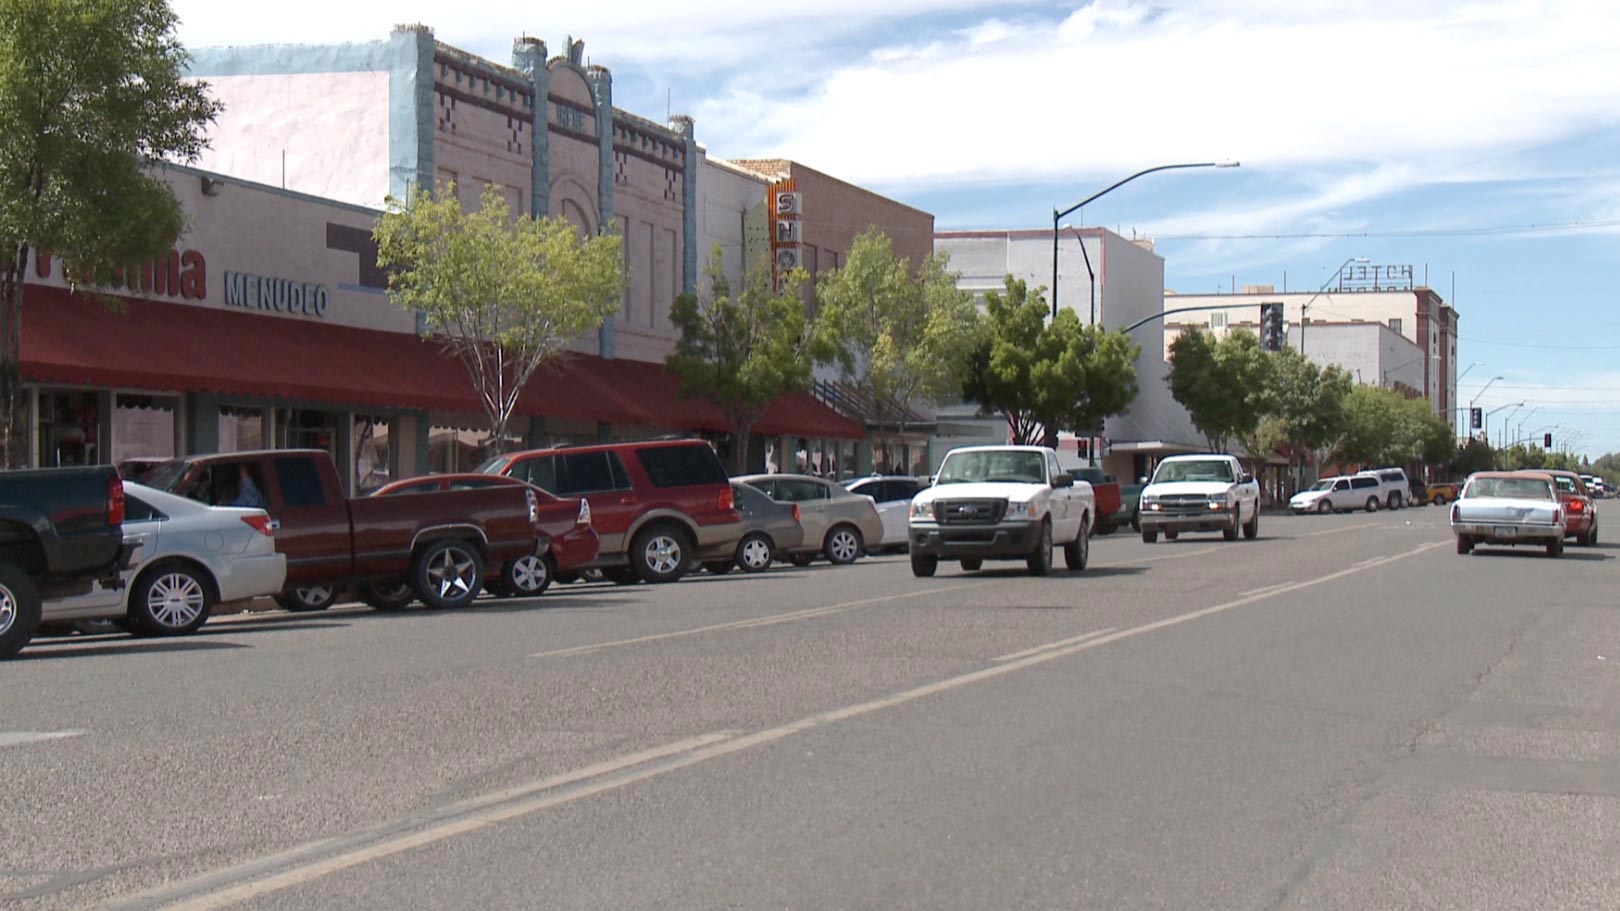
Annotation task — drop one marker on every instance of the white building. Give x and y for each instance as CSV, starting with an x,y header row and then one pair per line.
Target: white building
x,y
1125,281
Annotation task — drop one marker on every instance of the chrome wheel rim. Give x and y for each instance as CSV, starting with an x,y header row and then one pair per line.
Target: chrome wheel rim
x,y
529,573
663,554
452,573
843,546
756,554
174,600
314,594
8,610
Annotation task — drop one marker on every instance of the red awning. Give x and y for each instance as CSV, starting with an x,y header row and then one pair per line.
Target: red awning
x,y
74,339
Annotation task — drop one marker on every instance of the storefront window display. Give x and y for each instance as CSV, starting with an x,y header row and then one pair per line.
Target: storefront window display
x,y
69,428
371,439
143,427
300,429
241,428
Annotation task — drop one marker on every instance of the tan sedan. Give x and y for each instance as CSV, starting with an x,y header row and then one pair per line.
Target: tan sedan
x,y
838,524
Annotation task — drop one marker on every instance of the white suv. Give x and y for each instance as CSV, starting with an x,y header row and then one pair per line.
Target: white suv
x,y
1393,488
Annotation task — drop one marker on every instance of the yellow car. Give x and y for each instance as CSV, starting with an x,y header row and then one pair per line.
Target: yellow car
x,y
1440,494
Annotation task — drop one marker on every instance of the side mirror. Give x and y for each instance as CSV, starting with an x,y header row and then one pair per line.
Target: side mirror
x,y
1063,480
1142,480
1245,478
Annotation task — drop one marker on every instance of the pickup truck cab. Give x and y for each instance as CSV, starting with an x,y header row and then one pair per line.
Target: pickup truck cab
x,y
1200,493
438,543
60,535
1001,503
1110,504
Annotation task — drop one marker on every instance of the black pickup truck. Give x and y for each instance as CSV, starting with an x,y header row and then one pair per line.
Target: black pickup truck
x,y
60,532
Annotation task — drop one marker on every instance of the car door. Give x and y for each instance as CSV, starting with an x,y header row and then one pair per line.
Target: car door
x,y
1065,514
313,517
815,506
1339,497
601,479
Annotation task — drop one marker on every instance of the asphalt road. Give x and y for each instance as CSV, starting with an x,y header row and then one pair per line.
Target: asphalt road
x,y
1342,715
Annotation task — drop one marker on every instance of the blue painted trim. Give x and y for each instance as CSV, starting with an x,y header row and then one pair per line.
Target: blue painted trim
x,y
602,93
530,59
410,111
289,59
689,206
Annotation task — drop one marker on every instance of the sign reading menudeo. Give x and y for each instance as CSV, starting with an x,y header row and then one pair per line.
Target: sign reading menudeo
x,y
281,295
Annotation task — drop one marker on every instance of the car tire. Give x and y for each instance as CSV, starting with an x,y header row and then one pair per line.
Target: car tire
x,y
20,609
1591,539
1439,499
1171,535
1251,529
922,567
387,597
1324,508
755,552
843,545
308,598
1555,549
1372,504
1077,553
972,564
1039,561
172,598
1236,529
448,573
1394,502
1150,537
1465,545
527,576
659,553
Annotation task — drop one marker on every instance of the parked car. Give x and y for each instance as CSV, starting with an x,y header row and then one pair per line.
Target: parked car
x,y
1508,508
1580,510
769,528
440,543
1002,503
892,494
60,536
1333,494
567,521
1440,493
1107,493
1201,493
190,557
659,507
136,469
837,523
1392,486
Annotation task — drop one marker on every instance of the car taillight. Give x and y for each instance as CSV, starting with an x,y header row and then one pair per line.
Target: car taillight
x,y
1454,513
584,512
796,517
534,506
1558,517
260,522
1574,505
727,501
115,500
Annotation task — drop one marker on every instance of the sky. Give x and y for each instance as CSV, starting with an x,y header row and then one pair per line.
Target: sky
x,y
1478,142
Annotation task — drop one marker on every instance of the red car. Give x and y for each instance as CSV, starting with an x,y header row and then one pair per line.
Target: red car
x,y
660,506
566,519
1580,511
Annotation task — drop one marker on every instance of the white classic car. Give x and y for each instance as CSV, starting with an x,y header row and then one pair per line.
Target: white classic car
x,y
1508,508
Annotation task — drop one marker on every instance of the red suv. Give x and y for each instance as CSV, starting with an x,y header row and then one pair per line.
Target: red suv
x,y
659,507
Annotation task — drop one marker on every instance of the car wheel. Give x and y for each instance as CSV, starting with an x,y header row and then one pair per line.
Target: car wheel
x,y
755,553
1078,551
1394,502
1150,537
923,567
1591,539
659,553
1040,561
170,599
1555,548
308,598
1324,507
1372,504
387,597
1252,529
527,577
843,545
1439,499
448,573
972,564
1231,534
20,610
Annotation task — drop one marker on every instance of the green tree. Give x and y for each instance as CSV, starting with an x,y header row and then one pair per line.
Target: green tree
x,y
902,335
1000,373
743,347
1476,456
1309,401
91,92
1224,384
504,294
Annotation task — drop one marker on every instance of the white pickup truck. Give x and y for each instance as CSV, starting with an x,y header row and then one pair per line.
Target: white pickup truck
x,y
1201,493
1001,503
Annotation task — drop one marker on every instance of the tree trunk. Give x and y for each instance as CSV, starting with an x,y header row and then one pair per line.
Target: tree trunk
x,y
739,448
13,404
1049,436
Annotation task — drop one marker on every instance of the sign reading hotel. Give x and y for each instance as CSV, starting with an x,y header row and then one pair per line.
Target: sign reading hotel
x,y
1375,278
787,231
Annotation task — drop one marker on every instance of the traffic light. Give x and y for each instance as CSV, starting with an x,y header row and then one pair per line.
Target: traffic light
x,y
1476,418
1546,441
1271,327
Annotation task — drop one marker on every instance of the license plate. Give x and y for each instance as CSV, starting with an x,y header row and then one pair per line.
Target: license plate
x,y
1505,531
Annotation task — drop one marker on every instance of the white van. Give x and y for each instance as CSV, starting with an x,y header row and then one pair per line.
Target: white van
x,y
1393,487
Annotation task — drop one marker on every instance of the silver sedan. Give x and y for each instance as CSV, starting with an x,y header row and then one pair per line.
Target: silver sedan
x,y
837,524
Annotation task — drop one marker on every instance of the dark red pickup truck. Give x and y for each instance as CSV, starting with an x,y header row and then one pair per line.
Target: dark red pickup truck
x,y
438,543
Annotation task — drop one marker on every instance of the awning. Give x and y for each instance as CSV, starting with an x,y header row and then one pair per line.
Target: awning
x,y
74,339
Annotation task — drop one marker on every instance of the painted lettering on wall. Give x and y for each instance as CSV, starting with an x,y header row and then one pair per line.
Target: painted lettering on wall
x,y
279,295
177,274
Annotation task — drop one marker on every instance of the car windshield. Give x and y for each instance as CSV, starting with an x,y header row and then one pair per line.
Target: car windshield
x,y
491,465
1565,485
1324,484
1194,470
1014,466
1509,488
166,476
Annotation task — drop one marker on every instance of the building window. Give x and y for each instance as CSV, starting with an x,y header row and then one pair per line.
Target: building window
x,y
299,429
1395,323
371,436
69,428
143,427
1217,321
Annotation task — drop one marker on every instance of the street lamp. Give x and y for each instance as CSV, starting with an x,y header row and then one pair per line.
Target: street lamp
x,y
1089,274
1057,216
1503,435
1460,376
1525,420
1488,414
1304,309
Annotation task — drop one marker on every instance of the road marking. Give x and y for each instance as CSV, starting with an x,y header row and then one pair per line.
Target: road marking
x,y
1058,644
751,622
1261,590
20,738
1338,531
304,864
